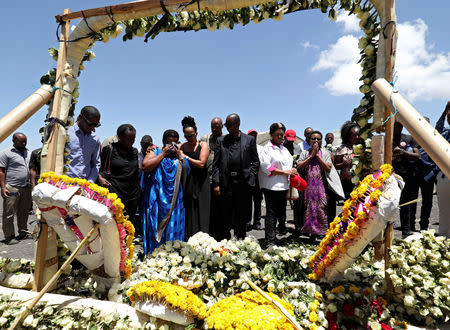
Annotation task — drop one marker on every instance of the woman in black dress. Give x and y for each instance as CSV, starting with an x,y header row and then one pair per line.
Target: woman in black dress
x,y
119,171
197,191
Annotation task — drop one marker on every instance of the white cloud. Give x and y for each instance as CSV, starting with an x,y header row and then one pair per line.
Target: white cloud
x,y
308,44
341,58
422,72
350,22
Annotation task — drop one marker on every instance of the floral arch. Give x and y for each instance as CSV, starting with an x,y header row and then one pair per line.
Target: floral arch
x,y
149,18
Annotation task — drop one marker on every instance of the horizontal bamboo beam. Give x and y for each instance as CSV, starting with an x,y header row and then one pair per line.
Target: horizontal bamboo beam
x,y
428,138
118,9
20,114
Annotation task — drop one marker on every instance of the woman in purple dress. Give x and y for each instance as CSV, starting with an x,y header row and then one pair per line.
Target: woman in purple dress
x,y
315,163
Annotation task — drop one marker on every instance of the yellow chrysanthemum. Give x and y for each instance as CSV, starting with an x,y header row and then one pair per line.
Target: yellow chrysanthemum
x,y
313,317
174,296
353,289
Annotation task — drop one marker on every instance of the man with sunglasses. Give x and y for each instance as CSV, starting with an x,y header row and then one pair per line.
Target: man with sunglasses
x,y
84,145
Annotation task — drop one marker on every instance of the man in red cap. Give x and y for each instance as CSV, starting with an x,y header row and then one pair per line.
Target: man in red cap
x,y
256,193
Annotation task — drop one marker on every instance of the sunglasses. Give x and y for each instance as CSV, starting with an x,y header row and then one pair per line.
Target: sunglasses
x,y
188,136
229,124
316,139
90,123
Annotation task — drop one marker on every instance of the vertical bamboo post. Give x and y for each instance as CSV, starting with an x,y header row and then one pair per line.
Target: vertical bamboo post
x,y
59,83
41,246
389,30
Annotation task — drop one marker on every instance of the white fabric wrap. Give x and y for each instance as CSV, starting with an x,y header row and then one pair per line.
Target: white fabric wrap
x,y
84,206
106,250
85,224
62,196
42,194
163,312
111,250
379,217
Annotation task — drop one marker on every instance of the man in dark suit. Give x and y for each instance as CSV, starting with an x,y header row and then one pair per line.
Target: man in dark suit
x,y
235,168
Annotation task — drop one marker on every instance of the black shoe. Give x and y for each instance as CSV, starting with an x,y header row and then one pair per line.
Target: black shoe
x,y
257,226
11,241
23,236
248,227
269,245
282,231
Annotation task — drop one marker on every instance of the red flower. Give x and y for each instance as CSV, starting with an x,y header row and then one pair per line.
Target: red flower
x,y
332,325
331,317
384,326
348,309
361,302
378,307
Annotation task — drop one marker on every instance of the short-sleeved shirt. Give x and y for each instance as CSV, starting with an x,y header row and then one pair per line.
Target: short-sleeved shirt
x,y
16,165
84,154
402,165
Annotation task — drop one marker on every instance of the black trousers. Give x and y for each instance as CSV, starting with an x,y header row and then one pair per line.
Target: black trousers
x,y
298,211
275,208
331,207
216,229
131,208
408,212
236,206
347,186
426,189
257,199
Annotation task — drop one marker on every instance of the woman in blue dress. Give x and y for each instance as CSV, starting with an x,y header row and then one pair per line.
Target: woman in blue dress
x,y
162,182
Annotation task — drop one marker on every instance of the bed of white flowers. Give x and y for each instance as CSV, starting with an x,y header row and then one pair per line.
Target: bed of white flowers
x,y
214,270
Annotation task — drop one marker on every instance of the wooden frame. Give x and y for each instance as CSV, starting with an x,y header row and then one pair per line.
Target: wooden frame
x,y
71,54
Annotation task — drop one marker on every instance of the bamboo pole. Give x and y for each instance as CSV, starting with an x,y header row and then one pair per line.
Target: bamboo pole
x,y
275,304
426,136
39,262
53,280
50,164
390,22
389,34
149,5
56,106
20,114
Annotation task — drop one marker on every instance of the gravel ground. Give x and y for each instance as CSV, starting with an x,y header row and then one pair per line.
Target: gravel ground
x,y
25,248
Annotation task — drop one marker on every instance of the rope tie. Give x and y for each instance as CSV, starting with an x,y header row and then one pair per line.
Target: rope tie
x,y
392,83
110,14
155,28
393,34
51,124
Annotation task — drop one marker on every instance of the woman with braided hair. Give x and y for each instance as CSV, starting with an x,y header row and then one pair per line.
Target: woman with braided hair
x,y
197,191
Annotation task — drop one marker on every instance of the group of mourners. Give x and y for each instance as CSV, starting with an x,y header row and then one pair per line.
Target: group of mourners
x,y
211,184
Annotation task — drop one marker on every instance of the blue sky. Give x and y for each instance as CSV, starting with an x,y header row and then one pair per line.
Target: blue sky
x,y
297,71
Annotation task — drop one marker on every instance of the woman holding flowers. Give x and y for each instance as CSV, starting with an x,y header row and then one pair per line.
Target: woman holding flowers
x,y
320,175
274,172
163,182
197,190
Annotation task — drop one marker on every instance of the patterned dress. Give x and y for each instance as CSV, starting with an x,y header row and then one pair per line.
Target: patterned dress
x,y
316,219
158,188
